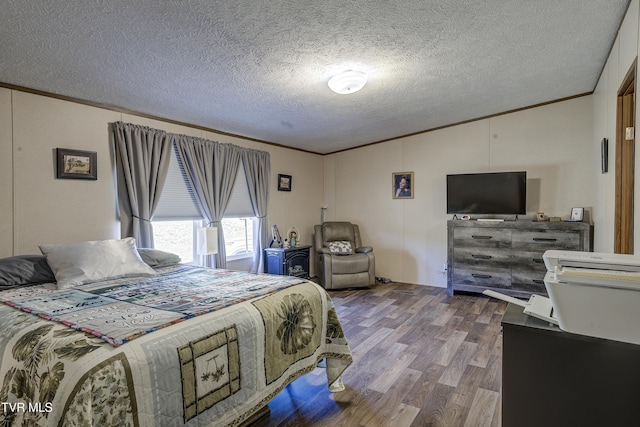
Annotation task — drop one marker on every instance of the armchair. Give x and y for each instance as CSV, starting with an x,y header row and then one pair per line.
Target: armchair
x,y
342,261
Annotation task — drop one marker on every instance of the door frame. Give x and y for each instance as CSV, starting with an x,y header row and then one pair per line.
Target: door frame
x,y
625,164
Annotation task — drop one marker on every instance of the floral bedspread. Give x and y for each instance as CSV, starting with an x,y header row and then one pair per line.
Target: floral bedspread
x,y
215,367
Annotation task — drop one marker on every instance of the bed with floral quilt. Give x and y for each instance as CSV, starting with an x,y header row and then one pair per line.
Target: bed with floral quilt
x,y
87,339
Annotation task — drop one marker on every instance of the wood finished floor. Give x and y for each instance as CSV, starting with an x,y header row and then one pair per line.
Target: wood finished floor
x,y
421,358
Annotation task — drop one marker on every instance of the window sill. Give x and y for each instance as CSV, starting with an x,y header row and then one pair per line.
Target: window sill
x,y
239,257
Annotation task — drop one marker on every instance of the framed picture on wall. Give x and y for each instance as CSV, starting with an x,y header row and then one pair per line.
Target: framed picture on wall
x,y
402,185
76,164
284,182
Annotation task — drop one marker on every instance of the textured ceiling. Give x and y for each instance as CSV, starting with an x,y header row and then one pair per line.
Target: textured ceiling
x,y
259,68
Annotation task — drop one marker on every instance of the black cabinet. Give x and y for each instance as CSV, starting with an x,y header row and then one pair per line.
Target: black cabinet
x,y
287,262
555,378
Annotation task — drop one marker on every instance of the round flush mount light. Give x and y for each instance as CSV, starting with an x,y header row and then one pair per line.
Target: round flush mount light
x,y
347,82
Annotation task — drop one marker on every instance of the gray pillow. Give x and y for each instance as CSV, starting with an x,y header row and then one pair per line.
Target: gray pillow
x,y
24,270
157,258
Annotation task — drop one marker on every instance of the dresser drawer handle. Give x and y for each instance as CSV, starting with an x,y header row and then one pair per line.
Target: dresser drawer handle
x,y
480,256
474,236
538,282
543,239
481,276
538,260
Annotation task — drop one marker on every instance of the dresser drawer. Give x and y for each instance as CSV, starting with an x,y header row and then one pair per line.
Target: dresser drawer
x,y
470,257
528,271
527,261
495,278
540,241
529,281
481,238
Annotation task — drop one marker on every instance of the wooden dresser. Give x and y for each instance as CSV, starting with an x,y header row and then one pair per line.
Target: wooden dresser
x,y
507,256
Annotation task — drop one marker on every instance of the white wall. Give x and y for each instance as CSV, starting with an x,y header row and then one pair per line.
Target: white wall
x,y
552,143
623,53
38,208
558,145
604,110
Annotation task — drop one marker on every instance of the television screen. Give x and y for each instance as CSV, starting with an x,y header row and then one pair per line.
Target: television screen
x,y
497,193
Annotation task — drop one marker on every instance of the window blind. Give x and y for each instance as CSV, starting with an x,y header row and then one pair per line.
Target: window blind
x,y
177,201
240,202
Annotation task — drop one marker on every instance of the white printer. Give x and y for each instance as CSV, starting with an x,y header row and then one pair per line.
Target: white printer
x,y
595,294
590,293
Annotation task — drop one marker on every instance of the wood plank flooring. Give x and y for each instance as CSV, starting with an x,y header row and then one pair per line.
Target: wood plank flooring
x,y
421,358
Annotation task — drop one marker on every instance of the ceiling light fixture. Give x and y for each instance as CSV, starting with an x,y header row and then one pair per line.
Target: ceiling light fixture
x,y
347,82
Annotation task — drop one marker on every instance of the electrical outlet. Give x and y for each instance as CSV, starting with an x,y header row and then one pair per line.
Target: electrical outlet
x,y
444,269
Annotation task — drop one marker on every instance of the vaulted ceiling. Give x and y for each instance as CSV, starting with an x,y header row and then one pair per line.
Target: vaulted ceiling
x,y
259,69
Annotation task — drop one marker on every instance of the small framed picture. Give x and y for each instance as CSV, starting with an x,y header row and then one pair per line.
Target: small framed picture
x,y
577,214
284,182
76,164
402,185
540,216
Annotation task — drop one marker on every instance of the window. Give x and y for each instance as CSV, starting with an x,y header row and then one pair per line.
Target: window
x,y
238,236
177,217
176,237
238,221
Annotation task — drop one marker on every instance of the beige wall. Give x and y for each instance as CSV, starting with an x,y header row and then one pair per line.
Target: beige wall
x,y
552,143
38,208
6,172
558,144
50,210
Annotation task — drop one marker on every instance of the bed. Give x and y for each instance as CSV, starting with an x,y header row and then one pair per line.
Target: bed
x,y
103,333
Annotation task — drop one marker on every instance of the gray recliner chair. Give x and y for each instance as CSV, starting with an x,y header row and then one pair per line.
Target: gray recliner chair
x,y
342,261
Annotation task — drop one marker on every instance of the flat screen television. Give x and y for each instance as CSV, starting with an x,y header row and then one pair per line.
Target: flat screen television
x,y
495,193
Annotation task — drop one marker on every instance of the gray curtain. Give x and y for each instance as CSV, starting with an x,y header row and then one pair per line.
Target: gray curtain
x,y
142,159
211,169
257,168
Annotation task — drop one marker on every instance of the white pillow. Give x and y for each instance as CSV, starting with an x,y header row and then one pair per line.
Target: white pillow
x,y
77,263
340,247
